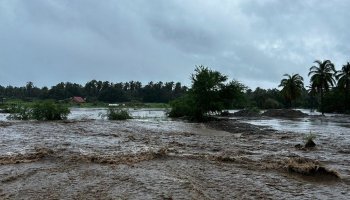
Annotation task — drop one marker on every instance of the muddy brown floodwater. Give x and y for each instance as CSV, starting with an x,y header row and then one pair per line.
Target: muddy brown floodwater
x,y
165,159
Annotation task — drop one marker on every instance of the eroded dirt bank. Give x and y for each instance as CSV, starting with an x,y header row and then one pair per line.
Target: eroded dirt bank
x,y
141,159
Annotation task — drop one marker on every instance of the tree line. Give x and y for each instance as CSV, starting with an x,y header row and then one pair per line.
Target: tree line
x,y
210,92
104,91
329,91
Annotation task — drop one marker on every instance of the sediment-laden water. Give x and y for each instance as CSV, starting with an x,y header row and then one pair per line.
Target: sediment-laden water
x,y
153,157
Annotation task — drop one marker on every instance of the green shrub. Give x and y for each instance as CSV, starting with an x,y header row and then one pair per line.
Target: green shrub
x,y
254,110
309,140
19,112
182,107
117,114
39,111
12,108
49,111
271,104
309,137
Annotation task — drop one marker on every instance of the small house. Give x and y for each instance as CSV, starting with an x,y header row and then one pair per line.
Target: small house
x,y
78,100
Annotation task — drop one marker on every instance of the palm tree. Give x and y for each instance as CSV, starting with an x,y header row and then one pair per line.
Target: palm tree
x,y
343,77
29,88
312,94
322,78
292,87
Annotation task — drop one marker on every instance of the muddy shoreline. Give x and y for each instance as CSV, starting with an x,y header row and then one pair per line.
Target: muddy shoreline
x,y
163,159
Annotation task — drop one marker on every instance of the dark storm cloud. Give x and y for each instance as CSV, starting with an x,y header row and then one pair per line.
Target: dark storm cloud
x,y
256,42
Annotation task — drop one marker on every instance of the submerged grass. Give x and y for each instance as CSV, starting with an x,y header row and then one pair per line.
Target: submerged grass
x,y
309,140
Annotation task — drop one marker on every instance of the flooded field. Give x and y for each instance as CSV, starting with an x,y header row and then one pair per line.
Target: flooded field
x,y
154,157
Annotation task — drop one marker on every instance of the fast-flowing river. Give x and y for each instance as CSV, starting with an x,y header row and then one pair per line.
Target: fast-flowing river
x,y
154,157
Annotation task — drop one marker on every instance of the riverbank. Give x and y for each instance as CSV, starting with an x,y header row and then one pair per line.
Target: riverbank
x,y
162,159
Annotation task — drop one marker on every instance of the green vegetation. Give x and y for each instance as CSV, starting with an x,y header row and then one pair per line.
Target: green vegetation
x,y
19,112
47,110
322,78
309,140
117,114
292,87
329,91
210,93
98,91
343,77
254,110
309,137
265,99
182,106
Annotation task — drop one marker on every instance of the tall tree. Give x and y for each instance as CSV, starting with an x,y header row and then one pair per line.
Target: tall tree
x,y
322,78
293,86
210,92
205,86
343,77
91,88
29,88
312,93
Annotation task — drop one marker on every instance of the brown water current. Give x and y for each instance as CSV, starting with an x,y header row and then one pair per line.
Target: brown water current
x,y
165,159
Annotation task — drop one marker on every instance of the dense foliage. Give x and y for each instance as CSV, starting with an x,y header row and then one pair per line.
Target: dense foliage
x,y
343,86
322,79
292,87
210,93
183,106
40,111
117,114
99,91
329,91
19,112
49,111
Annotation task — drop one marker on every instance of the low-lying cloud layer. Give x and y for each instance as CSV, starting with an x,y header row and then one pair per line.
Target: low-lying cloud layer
x,y
253,41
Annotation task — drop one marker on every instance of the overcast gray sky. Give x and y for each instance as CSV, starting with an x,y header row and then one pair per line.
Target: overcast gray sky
x,y
252,41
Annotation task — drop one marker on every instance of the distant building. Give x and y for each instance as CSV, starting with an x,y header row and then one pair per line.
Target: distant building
x,y
78,100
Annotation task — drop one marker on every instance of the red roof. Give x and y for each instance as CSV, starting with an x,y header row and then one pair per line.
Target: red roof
x,y
78,100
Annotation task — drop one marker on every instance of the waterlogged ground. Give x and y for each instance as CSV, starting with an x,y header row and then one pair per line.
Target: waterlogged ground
x,y
152,157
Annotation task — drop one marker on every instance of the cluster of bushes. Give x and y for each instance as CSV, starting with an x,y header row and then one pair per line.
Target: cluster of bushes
x,y
40,111
181,107
18,112
211,92
49,110
117,114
